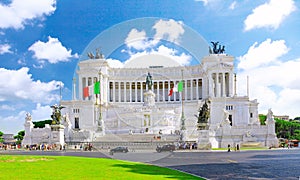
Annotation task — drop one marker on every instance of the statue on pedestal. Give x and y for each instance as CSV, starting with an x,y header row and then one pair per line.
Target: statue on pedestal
x,y
56,114
149,96
203,117
149,82
226,121
28,117
270,116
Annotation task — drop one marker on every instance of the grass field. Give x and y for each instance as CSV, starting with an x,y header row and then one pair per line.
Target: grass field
x,y
62,167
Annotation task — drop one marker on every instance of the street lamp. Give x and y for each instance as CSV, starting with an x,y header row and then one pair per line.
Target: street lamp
x,y
101,127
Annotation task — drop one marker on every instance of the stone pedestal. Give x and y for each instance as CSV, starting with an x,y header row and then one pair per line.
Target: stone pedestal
x,y
149,99
57,134
226,135
271,140
203,140
183,135
28,129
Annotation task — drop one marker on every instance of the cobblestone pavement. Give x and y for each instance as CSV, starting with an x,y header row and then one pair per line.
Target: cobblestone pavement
x,y
262,164
269,164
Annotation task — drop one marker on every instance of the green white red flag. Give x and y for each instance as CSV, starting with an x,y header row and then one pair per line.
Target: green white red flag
x,y
177,88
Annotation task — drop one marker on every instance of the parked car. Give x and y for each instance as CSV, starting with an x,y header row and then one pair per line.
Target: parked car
x,y
166,147
119,149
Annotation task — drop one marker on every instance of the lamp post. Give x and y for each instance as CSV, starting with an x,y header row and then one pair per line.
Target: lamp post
x,y
182,119
101,127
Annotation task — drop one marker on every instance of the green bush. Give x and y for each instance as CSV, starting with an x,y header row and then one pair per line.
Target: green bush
x,y
41,124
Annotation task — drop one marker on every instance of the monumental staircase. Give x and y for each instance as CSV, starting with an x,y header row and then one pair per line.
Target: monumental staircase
x,y
135,141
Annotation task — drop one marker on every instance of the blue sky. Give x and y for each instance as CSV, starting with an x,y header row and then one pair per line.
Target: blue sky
x,y
42,41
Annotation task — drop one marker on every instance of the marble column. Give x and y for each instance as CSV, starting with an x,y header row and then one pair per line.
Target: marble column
x,y
191,85
230,90
125,98
211,87
169,88
114,91
130,91
217,85
119,91
136,98
86,84
157,90
142,98
163,91
197,89
223,85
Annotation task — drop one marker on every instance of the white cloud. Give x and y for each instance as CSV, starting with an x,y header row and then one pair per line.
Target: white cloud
x,y
15,122
183,59
19,12
233,5
163,51
5,48
275,85
115,63
262,54
12,124
7,107
138,40
18,85
41,112
21,61
52,51
270,14
170,30
205,2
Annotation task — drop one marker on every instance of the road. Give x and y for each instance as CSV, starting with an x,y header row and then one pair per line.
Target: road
x,y
272,164
262,164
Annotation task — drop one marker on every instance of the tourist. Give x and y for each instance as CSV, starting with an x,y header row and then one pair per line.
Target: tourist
x,y
228,148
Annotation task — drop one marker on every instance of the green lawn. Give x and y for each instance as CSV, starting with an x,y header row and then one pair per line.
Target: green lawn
x,y
62,167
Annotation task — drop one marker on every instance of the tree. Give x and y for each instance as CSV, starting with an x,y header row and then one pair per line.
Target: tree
x,y
284,129
287,129
19,137
1,139
41,124
262,119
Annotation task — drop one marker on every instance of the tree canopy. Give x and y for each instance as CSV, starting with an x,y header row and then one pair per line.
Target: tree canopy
x,y
19,137
1,139
41,124
284,129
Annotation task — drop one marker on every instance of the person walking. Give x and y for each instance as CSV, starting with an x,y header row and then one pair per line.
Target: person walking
x,y
228,148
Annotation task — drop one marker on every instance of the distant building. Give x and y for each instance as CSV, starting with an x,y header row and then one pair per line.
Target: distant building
x,y
283,117
8,139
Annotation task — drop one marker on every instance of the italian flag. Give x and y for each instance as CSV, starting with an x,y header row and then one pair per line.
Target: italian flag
x,y
177,88
91,90
88,91
97,87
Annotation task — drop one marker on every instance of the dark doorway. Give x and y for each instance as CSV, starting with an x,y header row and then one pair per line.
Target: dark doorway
x,y
77,123
230,119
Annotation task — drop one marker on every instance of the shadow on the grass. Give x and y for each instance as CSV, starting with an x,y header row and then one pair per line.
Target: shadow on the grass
x,y
156,171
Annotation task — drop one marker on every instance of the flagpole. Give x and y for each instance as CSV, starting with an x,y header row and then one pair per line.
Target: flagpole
x,y
182,106
100,125
60,93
